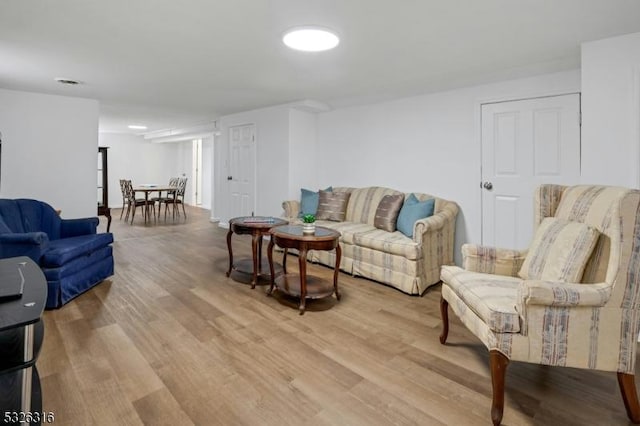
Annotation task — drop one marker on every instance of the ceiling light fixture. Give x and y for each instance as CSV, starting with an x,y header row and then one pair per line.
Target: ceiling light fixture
x,y
67,81
137,127
310,39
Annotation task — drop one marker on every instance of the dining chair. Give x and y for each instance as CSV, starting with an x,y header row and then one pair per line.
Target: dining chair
x,y
177,199
125,201
134,202
571,300
160,199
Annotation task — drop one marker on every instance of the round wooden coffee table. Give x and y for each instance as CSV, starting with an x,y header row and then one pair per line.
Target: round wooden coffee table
x,y
300,285
257,227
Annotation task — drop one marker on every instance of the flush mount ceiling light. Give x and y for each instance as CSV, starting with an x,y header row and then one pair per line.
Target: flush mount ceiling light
x,y
137,127
310,39
67,81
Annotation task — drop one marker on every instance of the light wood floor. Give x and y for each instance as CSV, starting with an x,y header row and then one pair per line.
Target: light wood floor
x,y
169,340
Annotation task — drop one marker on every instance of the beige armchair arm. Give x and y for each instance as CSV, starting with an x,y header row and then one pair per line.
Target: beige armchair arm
x,y
562,294
291,208
492,260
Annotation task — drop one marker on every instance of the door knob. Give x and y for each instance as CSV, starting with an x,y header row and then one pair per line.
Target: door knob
x,y
488,186
229,177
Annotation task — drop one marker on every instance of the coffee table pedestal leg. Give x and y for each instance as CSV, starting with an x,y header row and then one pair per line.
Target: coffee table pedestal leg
x,y
230,250
271,269
336,269
302,261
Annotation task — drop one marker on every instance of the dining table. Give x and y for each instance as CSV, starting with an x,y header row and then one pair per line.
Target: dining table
x,y
148,188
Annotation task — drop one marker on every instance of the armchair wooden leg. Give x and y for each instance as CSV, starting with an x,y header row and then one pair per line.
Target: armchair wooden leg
x,y
629,396
499,364
444,313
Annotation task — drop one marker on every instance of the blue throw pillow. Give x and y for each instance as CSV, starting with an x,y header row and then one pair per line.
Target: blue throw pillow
x,y
309,201
411,211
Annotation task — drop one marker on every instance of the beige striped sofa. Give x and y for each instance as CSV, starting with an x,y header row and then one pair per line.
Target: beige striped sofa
x,y
408,264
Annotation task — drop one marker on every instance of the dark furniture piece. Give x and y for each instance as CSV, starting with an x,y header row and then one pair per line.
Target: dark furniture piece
x,y
103,185
21,336
301,285
71,254
257,227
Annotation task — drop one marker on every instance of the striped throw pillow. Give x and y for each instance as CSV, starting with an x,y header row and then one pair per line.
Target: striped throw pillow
x,y
387,212
559,251
332,205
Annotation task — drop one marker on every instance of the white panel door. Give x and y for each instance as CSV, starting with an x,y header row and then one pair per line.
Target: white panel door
x,y
242,169
525,143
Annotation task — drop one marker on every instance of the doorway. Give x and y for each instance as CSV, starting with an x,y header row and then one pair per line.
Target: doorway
x,y
525,143
196,162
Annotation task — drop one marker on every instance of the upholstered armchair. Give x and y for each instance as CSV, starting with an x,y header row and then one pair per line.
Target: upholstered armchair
x,y
571,300
71,254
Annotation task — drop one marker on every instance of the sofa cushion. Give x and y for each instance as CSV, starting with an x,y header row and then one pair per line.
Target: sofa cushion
x,y
363,203
413,210
332,205
559,251
490,297
78,264
389,242
63,250
309,201
348,230
387,212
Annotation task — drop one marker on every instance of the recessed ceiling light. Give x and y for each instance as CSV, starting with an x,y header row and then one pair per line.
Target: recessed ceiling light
x,y
137,127
310,39
67,81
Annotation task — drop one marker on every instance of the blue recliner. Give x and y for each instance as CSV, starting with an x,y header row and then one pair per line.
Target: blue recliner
x,y
71,254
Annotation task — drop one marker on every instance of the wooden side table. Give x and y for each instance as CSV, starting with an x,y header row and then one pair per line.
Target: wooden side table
x,y
300,285
257,227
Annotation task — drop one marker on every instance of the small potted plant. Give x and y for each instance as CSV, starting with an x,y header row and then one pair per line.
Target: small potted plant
x,y
308,223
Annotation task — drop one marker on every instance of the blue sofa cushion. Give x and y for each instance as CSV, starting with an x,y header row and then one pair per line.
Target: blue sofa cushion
x,y
309,201
77,265
413,210
66,249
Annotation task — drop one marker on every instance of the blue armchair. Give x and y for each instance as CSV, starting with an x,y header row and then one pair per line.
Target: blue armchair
x,y
72,255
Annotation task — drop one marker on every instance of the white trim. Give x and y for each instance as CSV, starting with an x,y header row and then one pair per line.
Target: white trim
x,y
184,133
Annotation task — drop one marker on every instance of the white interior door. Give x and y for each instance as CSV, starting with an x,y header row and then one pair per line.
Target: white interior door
x,y
525,143
242,169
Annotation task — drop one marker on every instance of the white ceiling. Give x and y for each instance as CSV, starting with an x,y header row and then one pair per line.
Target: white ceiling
x,y
170,63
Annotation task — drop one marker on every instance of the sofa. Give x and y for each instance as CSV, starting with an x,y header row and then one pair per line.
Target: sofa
x,y
410,265
72,256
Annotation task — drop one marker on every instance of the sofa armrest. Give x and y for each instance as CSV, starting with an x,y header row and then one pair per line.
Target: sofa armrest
x,y
291,208
492,260
31,244
548,293
75,227
443,219
436,237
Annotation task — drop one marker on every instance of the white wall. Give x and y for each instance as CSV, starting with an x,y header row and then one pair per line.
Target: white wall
x,y
428,143
272,153
303,167
50,150
132,157
611,111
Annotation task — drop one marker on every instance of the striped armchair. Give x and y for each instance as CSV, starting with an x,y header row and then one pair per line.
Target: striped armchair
x,y
590,324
